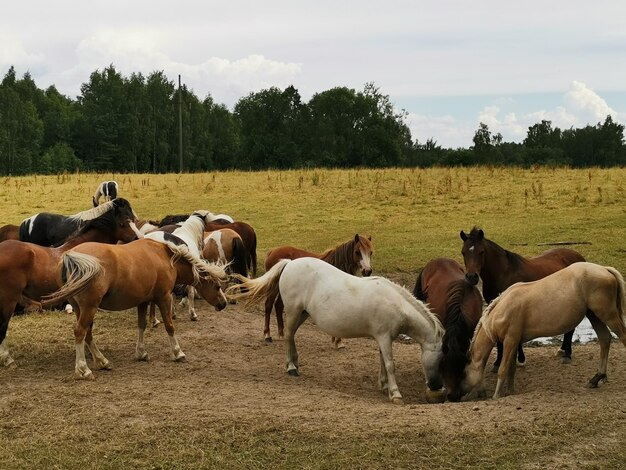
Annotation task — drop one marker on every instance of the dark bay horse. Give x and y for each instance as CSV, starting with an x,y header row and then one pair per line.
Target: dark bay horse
x,y
47,229
28,271
120,277
499,268
547,307
353,257
9,232
458,305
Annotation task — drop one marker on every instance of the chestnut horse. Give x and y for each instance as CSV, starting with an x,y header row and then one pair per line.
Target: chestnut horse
x,y
9,232
352,257
499,268
352,307
28,271
547,307
120,277
458,305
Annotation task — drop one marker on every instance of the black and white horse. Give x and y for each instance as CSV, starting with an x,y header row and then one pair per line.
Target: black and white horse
x,y
107,190
48,229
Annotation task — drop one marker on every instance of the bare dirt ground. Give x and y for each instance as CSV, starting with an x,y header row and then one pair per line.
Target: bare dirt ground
x,y
231,404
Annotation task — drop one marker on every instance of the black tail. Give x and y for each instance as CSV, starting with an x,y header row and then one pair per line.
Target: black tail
x,y
240,254
418,293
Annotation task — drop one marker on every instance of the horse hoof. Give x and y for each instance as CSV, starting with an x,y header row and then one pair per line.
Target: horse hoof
x,y
194,318
293,372
397,401
106,366
596,379
85,376
520,364
268,340
566,360
435,396
143,357
155,323
181,358
560,353
340,345
11,365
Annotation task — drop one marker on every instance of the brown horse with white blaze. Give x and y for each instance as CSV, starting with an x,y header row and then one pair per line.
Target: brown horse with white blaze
x,y
499,268
352,257
120,277
547,307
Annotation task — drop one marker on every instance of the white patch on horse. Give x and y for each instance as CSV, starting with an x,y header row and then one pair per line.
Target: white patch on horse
x,y
31,224
135,229
365,261
225,217
471,248
217,239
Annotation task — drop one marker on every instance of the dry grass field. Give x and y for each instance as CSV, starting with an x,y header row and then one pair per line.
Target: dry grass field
x,y
231,405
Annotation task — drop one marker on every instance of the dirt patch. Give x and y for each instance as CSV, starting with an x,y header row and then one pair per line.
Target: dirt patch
x,y
232,397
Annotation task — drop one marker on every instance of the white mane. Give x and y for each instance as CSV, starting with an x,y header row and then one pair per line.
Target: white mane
x,y
420,307
94,213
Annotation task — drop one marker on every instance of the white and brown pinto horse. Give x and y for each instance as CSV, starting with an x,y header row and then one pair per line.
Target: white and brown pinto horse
x,y
548,307
346,306
120,277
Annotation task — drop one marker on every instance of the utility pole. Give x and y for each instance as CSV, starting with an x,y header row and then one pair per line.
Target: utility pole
x,y
180,126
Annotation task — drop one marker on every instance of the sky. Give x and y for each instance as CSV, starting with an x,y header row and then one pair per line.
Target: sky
x,y
449,64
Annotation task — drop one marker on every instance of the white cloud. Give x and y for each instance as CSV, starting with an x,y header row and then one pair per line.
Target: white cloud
x,y
589,106
446,130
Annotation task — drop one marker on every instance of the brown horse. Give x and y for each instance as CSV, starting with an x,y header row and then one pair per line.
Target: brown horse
x,y
550,306
499,268
9,232
28,271
352,257
248,236
458,305
120,277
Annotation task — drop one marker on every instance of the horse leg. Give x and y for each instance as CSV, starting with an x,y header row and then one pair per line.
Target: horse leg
x,y
280,308
140,351
604,338
83,324
293,323
191,294
382,374
166,304
5,357
269,305
154,321
508,361
496,364
100,361
566,348
521,358
386,356
338,343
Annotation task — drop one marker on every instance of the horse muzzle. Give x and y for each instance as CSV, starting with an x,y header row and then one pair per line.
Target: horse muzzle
x,y
366,272
220,306
472,278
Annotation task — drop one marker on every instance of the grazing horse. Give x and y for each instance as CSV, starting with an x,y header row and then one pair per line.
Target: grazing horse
x,y
458,305
352,257
120,277
107,190
347,306
48,229
550,306
9,232
28,271
226,246
499,268
248,236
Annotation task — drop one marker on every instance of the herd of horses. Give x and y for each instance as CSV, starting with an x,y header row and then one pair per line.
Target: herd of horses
x,y
106,257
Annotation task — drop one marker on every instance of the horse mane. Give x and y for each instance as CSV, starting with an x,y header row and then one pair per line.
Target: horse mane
x,y
341,256
194,228
458,335
91,214
419,306
200,268
418,292
486,313
512,258
172,219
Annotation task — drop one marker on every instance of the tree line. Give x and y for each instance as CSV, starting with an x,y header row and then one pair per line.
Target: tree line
x,y
130,124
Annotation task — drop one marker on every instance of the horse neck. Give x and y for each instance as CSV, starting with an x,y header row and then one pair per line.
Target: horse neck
x,y
422,325
184,272
495,270
94,235
479,352
341,257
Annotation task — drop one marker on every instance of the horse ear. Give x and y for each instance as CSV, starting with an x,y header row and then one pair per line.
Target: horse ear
x,y
481,234
369,238
463,235
356,238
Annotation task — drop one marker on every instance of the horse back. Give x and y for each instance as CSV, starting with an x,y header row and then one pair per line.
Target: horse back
x,y
549,262
434,282
286,252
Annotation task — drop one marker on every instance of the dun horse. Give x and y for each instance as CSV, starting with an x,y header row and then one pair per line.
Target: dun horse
x,y
346,306
547,307
353,257
458,304
28,271
120,277
499,268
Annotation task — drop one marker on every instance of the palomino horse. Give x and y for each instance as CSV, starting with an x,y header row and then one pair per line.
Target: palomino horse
x,y
353,257
28,271
499,268
458,304
347,306
48,229
120,277
547,307
107,190
9,232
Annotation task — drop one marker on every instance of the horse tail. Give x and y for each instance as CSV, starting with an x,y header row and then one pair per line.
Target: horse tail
x,y
76,271
253,255
458,335
418,292
621,292
240,253
252,290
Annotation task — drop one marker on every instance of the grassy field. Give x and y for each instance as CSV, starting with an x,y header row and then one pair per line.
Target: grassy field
x,y
232,406
413,215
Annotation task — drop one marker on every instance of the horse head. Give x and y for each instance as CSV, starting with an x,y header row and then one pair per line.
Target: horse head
x,y
362,254
209,285
125,221
473,252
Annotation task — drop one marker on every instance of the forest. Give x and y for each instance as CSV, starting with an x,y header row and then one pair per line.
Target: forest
x,y
131,125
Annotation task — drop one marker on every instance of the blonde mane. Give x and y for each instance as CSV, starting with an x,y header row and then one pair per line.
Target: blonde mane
x,y
94,213
201,269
